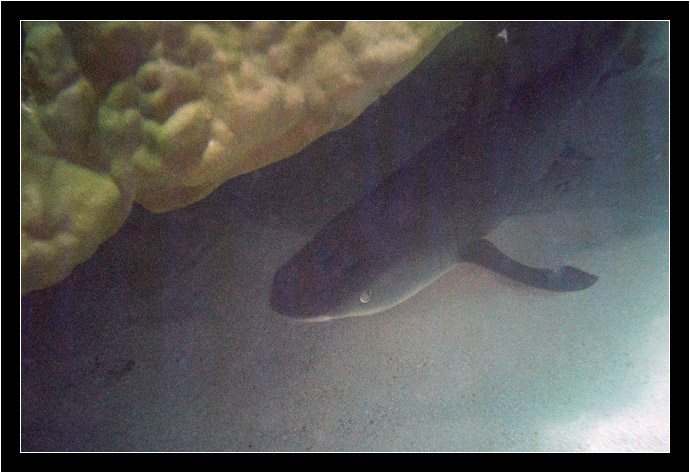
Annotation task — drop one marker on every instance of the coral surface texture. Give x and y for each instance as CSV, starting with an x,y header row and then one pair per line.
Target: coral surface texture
x,y
162,113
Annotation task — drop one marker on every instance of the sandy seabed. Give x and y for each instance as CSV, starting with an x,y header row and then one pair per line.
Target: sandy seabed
x,y
165,340
474,362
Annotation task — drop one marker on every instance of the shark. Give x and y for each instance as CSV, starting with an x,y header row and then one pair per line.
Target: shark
x,y
435,211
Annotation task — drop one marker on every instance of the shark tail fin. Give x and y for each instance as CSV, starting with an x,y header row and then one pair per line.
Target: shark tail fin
x,y
564,279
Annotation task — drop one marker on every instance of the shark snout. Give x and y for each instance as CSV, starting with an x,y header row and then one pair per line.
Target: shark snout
x,y
293,294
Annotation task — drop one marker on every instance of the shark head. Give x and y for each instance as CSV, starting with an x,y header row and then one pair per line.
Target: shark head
x,y
336,275
329,279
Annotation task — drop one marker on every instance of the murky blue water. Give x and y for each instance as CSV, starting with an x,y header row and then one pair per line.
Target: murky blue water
x,y
165,338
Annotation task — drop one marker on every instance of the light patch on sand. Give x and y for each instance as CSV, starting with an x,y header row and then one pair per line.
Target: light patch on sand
x,y
644,425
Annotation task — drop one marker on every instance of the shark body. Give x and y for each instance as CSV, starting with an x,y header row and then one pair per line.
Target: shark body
x,y
434,211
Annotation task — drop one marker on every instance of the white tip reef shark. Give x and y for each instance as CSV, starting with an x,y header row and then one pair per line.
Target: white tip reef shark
x,y
435,210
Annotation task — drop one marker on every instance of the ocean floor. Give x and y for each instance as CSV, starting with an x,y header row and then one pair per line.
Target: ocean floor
x,y
164,340
474,362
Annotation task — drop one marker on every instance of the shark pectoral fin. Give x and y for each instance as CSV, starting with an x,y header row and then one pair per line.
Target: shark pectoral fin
x,y
566,278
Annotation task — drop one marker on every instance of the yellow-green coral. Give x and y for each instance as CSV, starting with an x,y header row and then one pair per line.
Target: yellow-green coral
x,y
162,113
67,209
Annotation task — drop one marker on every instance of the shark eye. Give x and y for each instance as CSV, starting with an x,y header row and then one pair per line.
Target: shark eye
x,y
365,296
